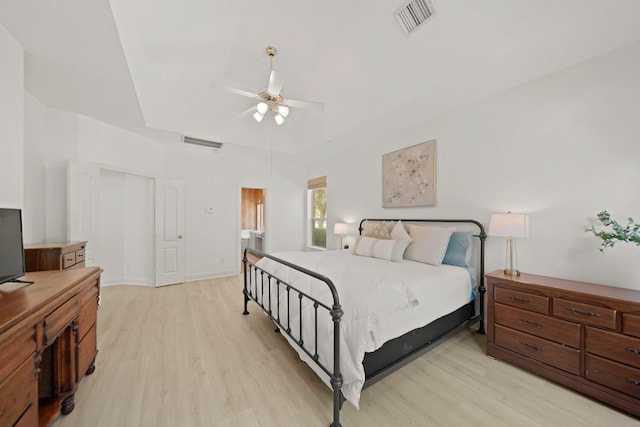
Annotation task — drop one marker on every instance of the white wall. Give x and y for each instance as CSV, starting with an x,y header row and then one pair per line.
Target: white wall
x,y
212,179
560,148
11,122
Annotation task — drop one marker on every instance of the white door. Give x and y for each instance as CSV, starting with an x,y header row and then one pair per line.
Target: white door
x,y
169,235
83,182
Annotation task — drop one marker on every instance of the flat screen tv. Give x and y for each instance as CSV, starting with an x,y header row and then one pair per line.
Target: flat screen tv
x,y
11,247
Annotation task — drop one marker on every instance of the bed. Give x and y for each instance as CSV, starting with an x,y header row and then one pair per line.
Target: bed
x,y
356,315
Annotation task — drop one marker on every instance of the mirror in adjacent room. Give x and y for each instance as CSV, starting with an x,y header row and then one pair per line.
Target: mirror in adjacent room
x,y
252,229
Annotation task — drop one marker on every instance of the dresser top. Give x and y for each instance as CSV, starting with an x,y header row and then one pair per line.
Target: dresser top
x,y
55,245
18,302
533,281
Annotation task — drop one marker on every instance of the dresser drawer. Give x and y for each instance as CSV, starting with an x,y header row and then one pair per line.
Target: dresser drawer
x,y
560,331
631,324
15,350
537,303
79,255
57,321
559,356
587,314
87,317
17,393
87,350
613,346
29,418
614,375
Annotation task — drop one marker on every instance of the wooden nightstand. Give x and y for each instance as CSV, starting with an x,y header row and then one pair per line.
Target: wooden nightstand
x,y
582,335
54,256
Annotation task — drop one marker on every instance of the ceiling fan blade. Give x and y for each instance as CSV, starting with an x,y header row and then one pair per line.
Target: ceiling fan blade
x,y
298,103
234,89
248,112
276,80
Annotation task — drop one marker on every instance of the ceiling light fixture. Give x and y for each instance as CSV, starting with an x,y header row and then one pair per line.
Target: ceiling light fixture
x,y
258,116
271,101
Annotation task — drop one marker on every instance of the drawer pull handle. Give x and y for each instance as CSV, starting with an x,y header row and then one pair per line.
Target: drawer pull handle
x,y
520,300
531,346
634,351
634,382
532,323
583,313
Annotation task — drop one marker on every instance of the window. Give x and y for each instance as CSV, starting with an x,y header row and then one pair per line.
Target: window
x,y
317,208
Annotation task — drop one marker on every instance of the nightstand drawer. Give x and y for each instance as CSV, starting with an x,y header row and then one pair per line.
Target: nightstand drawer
x,y
613,346
587,314
560,331
631,324
68,260
559,356
79,255
537,303
614,375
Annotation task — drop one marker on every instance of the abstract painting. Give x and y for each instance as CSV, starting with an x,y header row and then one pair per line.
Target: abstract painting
x,y
409,176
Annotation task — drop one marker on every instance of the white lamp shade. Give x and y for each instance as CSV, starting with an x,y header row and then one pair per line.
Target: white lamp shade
x,y
262,107
279,119
258,116
509,225
284,110
340,228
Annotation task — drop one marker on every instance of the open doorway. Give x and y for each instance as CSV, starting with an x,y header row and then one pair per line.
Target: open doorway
x,y
252,224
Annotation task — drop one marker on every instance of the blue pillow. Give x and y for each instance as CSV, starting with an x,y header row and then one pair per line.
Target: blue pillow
x,y
459,249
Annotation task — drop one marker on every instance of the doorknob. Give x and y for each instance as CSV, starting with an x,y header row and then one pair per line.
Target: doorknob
x,y
180,236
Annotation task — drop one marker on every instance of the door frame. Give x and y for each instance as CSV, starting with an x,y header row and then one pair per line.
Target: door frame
x,y
267,220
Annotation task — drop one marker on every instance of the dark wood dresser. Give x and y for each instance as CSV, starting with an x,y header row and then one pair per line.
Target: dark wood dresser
x,y
582,335
47,343
54,256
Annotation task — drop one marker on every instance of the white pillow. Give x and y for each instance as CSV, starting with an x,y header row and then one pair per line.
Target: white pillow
x,y
400,233
429,243
391,250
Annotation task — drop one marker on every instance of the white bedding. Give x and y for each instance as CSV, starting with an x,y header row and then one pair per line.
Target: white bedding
x,y
381,300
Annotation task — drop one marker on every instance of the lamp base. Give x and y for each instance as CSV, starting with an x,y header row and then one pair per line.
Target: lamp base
x,y
513,273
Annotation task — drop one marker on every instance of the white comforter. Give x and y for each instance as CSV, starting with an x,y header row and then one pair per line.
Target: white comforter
x,y
381,300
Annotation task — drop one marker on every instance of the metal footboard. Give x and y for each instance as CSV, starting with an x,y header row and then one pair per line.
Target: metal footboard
x,y
257,281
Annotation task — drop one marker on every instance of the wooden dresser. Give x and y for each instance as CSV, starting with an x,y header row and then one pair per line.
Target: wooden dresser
x,y
581,335
47,343
54,256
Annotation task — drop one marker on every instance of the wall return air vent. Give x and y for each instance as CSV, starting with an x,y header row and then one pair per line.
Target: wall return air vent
x,y
203,142
414,14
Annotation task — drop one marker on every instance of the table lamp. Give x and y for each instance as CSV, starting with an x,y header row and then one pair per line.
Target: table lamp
x,y
510,225
340,229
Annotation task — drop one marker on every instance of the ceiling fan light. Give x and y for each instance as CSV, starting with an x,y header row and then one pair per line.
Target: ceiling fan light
x,y
262,107
258,116
279,119
283,110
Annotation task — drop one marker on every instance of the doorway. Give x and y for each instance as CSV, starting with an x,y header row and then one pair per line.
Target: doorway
x,y
252,222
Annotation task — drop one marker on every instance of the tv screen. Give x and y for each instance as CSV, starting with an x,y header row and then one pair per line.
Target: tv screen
x,y
11,248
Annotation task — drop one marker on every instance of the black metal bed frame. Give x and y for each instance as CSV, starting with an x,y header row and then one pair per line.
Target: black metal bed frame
x,y
392,355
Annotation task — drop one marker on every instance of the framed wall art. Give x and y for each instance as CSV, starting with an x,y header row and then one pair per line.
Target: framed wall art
x,y
409,176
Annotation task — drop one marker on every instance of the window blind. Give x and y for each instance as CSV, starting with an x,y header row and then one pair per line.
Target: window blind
x,y
315,183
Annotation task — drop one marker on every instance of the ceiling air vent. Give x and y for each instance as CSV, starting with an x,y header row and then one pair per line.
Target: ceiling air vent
x,y
203,142
414,14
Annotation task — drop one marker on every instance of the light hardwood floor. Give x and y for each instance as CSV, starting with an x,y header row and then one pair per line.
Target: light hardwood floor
x,y
184,356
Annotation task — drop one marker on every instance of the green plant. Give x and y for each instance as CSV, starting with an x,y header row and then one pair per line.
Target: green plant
x,y
617,233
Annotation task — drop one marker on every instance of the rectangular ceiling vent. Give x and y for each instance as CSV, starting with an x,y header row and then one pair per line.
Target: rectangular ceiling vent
x,y
203,142
414,14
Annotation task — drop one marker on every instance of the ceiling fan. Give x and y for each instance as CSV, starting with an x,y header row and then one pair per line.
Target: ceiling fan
x,y
272,99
